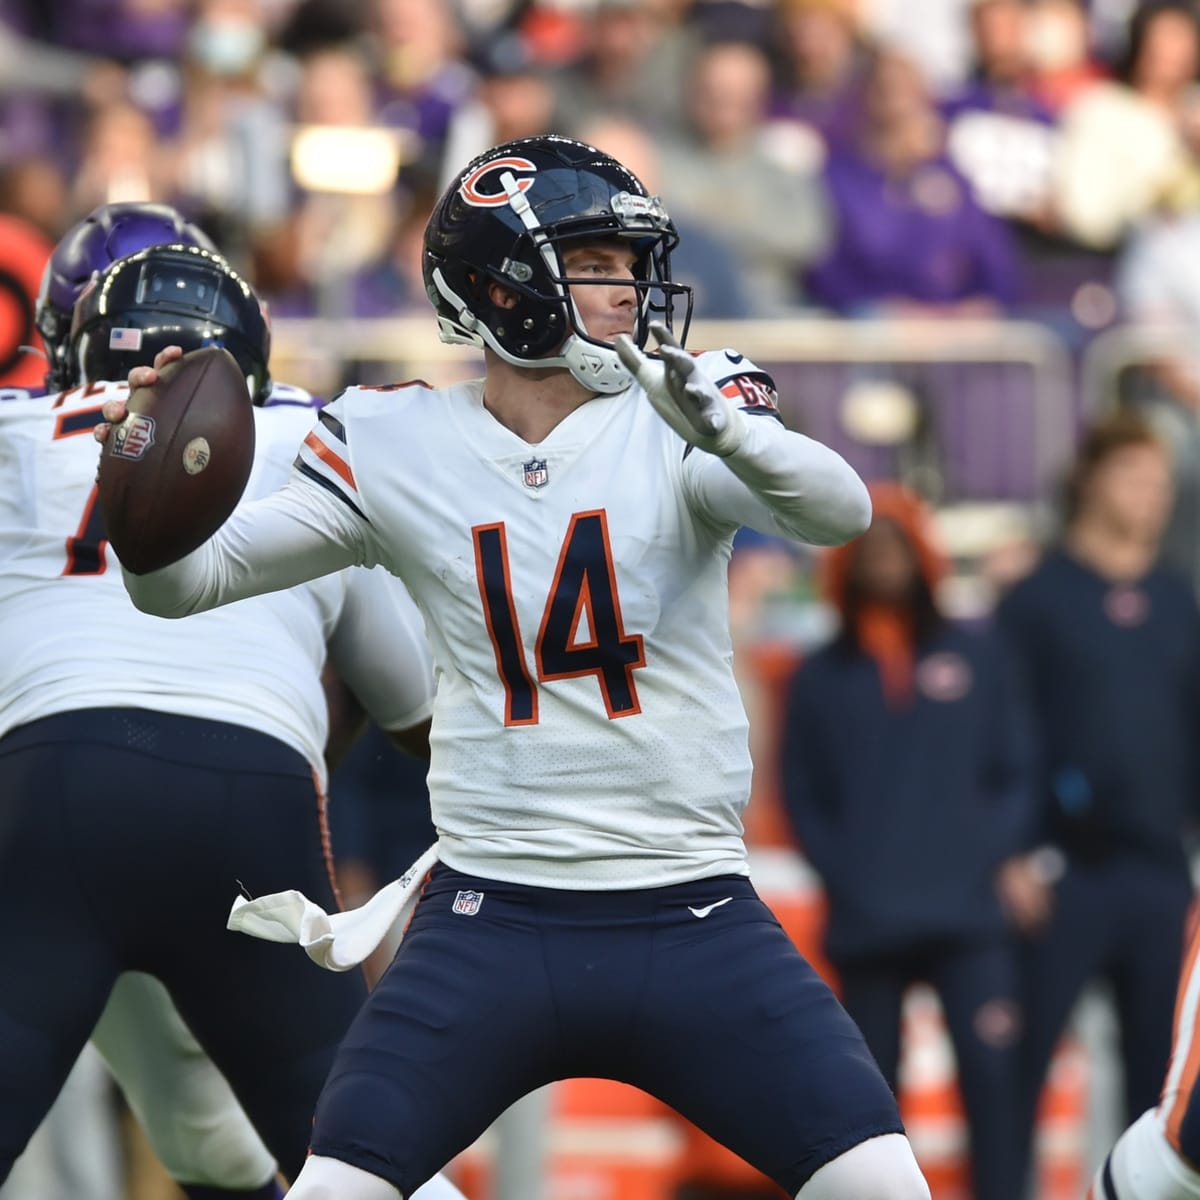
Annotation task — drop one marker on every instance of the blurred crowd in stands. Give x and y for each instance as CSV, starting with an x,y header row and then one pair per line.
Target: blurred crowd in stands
x,y
953,158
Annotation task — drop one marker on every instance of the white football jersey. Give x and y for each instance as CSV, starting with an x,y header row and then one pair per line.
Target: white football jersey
x,y
587,729
71,639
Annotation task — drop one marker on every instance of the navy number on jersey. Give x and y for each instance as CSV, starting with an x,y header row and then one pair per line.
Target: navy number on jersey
x,y
584,592
85,550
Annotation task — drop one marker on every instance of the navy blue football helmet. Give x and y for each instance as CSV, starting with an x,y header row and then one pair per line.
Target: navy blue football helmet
x,y
504,220
170,295
106,234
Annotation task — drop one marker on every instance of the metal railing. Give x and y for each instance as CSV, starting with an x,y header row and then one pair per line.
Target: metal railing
x,y
990,390
1110,355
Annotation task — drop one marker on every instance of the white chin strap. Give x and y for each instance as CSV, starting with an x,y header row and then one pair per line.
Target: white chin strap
x,y
594,365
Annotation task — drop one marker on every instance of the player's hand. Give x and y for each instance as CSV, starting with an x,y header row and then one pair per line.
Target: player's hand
x,y
114,411
1026,895
689,402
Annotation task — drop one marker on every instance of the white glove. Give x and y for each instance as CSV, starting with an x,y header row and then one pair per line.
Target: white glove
x,y
688,401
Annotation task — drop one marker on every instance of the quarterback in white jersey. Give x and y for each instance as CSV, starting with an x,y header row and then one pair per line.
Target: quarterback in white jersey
x,y
241,692
575,597
565,525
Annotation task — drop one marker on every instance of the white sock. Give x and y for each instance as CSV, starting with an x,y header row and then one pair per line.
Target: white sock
x,y
881,1168
330,1179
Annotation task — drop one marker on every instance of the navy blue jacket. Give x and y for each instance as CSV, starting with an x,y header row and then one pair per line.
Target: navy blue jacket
x,y
1114,674
906,812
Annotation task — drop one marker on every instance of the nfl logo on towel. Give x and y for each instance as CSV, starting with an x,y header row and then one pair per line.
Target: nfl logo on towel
x,y
467,903
536,474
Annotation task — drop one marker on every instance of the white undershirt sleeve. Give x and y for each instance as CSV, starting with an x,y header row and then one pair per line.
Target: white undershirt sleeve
x,y
380,651
296,534
779,482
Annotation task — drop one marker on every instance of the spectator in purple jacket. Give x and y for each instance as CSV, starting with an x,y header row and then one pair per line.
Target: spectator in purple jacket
x,y
823,62
911,240
998,134
422,78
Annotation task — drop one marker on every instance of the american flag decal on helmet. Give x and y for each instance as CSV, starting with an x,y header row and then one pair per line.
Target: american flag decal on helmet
x,y
125,339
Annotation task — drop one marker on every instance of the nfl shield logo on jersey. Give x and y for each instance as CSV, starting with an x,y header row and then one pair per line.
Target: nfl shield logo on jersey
x,y
467,903
536,474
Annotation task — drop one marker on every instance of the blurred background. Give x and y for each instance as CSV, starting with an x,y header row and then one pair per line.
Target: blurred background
x,y
955,232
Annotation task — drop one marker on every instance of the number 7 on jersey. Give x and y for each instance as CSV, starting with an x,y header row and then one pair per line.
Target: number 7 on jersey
x,y
584,589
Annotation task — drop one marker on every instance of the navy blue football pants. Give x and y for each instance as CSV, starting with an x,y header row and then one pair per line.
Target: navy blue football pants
x,y
124,835
703,1003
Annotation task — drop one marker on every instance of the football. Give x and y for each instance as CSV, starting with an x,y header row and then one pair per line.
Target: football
x,y
175,468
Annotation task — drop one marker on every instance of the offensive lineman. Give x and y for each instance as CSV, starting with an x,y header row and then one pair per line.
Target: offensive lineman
x,y
197,1128
171,758
565,525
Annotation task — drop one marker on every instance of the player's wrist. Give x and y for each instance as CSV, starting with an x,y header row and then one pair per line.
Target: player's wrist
x,y
733,437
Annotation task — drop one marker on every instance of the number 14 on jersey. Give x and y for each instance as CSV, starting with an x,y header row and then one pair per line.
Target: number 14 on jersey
x,y
584,593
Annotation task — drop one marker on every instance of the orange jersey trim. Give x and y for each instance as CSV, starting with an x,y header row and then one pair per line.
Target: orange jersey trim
x,y
1186,1044
334,461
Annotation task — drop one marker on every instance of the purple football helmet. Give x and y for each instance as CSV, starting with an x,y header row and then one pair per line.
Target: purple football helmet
x,y
107,233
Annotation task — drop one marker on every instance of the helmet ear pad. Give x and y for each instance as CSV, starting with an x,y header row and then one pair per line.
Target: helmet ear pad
x,y
528,327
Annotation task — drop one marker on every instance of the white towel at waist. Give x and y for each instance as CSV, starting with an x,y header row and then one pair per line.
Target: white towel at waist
x,y
341,940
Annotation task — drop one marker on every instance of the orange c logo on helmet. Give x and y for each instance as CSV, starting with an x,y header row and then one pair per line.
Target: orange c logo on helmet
x,y
469,186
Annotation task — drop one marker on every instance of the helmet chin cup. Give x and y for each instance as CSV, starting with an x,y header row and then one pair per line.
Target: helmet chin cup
x,y
596,367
